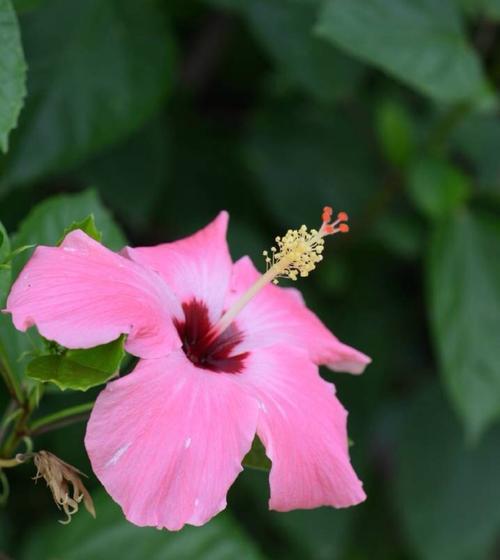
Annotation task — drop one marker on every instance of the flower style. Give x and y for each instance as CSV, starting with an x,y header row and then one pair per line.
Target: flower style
x,y
225,355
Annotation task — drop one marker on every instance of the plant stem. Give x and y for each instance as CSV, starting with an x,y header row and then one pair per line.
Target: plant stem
x,y
15,462
19,431
11,407
61,418
9,378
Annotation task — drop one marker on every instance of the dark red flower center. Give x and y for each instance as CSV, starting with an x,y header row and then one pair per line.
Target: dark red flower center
x,y
212,354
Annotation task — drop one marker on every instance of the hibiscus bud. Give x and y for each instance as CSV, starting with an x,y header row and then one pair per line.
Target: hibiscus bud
x,y
59,476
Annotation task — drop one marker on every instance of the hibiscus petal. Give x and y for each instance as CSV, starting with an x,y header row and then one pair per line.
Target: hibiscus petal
x,y
279,315
167,441
303,427
81,294
196,267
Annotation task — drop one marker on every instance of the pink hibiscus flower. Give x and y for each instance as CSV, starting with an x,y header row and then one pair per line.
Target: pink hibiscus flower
x,y
225,355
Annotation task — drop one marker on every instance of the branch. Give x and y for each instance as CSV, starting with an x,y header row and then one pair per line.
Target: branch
x,y
61,418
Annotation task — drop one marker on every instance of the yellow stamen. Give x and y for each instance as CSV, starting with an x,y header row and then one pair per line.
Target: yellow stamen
x,y
297,254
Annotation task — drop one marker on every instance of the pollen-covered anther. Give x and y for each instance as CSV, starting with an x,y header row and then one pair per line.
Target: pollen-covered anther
x,y
300,250
296,254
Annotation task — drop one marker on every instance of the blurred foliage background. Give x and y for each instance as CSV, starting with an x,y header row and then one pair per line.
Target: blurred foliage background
x,y
154,115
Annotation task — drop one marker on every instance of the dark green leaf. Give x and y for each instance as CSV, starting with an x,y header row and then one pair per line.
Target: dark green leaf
x,y
395,131
4,244
228,4
297,150
87,225
5,269
447,492
437,188
464,291
25,5
490,8
130,176
12,72
45,222
85,538
79,369
284,28
482,8
401,233
19,347
205,161
111,76
477,138
421,42
319,534
256,458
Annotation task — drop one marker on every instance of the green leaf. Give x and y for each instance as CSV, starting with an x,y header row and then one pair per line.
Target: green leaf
x,y
5,268
200,147
477,139
481,8
79,369
421,42
111,76
80,411
395,130
44,224
464,295
18,347
228,4
401,233
4,245
319,534
296,150
12,72
144,159
284,28
87,225
447,493
25,5
437,188
85,538
256,458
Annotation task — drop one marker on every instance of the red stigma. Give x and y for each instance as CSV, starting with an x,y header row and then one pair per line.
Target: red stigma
x,y
327,214
338,226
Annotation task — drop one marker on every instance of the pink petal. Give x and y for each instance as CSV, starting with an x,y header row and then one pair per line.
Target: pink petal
x,y
303,428
198,266
167,441
81,295
279,315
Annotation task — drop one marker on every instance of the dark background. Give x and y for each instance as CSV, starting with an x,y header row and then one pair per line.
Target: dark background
x,y
158,114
